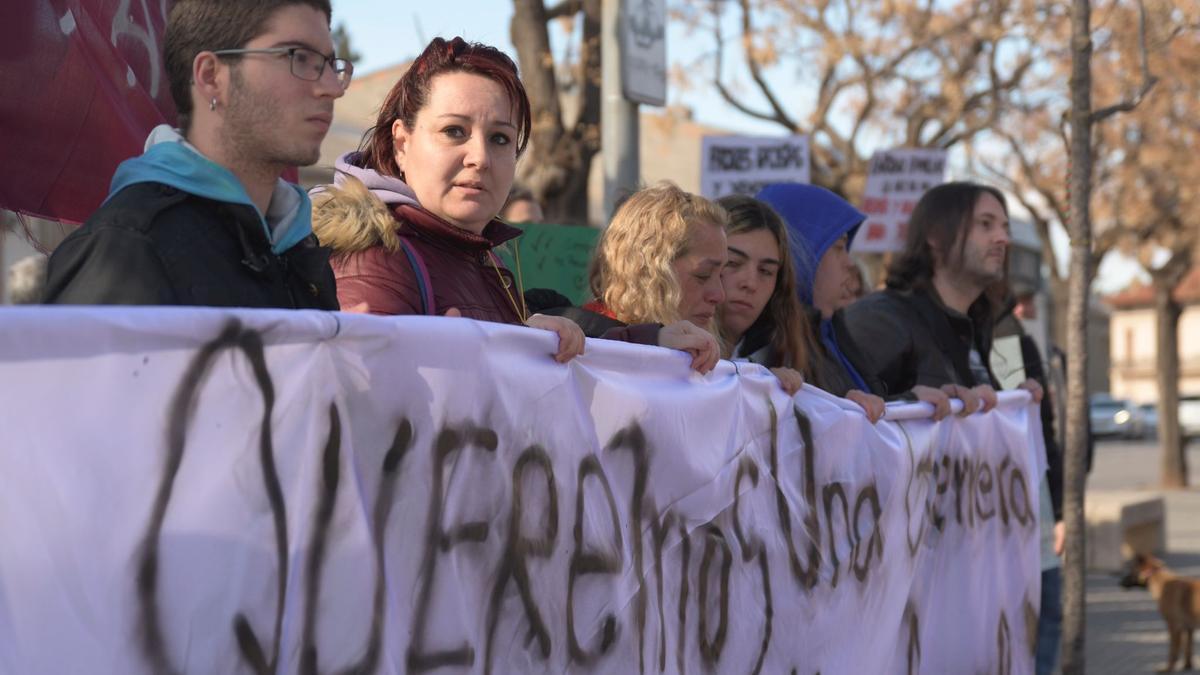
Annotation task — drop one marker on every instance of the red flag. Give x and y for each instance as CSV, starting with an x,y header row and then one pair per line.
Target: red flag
x,y
81,85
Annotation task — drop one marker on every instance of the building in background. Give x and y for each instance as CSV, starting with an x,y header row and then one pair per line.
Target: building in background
x,y
1134,348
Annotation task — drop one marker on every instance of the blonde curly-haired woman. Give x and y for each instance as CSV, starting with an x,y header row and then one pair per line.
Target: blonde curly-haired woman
x,y
656,274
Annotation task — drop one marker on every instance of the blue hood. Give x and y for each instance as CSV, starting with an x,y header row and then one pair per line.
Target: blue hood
x,y
816,218
170,160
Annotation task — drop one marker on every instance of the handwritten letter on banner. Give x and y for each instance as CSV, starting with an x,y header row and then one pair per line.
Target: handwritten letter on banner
x,y
196,491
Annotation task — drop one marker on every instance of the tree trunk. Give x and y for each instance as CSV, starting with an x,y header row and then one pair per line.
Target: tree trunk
x,y
1059,289
1080,228
559,159
563,194
1166,318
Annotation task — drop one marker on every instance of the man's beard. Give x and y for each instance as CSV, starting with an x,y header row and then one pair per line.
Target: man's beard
x,y
252,131
978,273
966,269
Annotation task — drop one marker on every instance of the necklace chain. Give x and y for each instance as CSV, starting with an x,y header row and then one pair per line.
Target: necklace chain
x,y
522,311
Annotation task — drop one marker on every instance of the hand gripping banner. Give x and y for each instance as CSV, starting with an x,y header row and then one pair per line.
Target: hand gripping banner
x,y
203,491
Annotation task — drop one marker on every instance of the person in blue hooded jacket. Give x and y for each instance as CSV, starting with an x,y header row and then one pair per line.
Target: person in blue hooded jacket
x,y
202,217
823,225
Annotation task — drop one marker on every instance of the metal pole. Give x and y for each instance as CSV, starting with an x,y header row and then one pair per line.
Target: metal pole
x,y
618,116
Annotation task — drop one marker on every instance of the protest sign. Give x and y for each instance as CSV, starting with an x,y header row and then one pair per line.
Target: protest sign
x,y
87,69
896,181
553,256
745,164
203,491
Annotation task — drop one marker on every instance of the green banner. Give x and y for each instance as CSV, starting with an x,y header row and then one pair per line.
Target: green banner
x,y
554,256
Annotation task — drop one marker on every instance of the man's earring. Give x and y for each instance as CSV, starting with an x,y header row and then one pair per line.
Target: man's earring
x,y
212,105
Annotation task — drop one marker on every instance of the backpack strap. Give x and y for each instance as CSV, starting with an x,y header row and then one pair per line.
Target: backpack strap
x,y
422,273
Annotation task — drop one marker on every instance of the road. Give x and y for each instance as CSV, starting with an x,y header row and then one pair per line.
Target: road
x,y
1125,634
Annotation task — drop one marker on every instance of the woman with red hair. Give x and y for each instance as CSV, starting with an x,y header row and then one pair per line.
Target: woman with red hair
x,y
411,216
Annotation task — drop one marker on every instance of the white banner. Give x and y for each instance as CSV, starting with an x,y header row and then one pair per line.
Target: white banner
x,y
199,491
895,182
744,165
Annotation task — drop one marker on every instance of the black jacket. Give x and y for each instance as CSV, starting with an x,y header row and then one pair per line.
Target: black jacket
x,y
593,324
152,244
914,339
829,374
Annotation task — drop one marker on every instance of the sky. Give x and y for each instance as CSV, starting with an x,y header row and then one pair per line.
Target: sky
x,y
385,37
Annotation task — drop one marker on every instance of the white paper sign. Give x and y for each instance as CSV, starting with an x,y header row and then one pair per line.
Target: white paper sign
x,y
644,51
896,181
746,164
199,491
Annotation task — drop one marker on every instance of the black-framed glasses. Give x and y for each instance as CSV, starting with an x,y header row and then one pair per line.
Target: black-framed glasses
x,y
307,64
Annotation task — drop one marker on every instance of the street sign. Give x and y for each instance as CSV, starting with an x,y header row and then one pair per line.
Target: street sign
x,y
644,51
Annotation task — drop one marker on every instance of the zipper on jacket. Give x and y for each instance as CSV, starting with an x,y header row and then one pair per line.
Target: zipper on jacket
x,y
285,278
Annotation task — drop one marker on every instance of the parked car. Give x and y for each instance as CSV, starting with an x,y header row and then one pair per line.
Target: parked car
x,y
1149,412
1118,417
1189,415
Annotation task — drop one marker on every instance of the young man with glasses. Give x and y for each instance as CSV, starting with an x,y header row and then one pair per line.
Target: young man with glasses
x,y
202,217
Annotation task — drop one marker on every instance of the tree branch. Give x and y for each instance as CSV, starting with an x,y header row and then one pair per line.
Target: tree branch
x,y
563,8
756,69
1148,78
1106,241
588,94
1030,172
727,95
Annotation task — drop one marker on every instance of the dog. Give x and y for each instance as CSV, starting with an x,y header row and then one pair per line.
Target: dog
x,y
1178,602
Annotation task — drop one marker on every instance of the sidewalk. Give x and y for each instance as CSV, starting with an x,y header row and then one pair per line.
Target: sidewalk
x,y
1125,634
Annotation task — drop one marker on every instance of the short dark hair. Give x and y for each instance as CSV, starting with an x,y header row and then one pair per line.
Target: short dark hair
x,y
943,214
410,94
194,26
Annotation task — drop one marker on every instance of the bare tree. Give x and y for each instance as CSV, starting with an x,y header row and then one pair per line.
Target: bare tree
x,y
1133,41
1144,167
1082,120
1152,196
911,73
565,99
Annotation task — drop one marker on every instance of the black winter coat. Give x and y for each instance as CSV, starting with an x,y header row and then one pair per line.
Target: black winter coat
x,y
152,244
911,338
830,375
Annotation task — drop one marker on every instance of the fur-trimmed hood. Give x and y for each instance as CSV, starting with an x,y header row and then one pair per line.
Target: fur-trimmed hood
x,y
389,190
355,212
